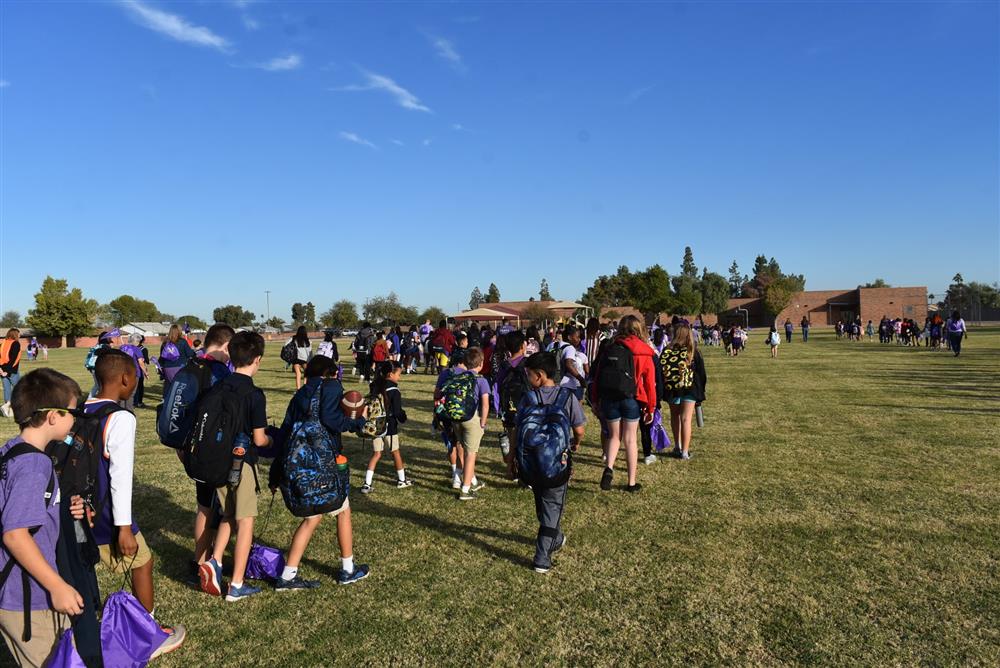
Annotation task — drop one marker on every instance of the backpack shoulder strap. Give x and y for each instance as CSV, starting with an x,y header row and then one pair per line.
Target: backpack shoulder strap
x,y
562,399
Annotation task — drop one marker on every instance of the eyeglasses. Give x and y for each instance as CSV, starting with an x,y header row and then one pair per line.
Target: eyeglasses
x,y
75,412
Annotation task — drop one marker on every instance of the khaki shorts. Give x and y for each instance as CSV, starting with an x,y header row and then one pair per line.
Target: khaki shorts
x,y
334,513
470,434
241,503
378,444
47,627
119,563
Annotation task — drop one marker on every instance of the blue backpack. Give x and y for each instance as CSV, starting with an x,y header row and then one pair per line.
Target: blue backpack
x,y
91,361
175,416
544,436
313,483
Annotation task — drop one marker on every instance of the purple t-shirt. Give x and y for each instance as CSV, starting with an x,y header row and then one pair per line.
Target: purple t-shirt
x,y
136,354
23,506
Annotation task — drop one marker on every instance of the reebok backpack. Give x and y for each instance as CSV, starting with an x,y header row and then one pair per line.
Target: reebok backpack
x,y
544,437
377,422
460,400
219,417
513,388
313,483
76,462
677,373
90,363
175,415
289,352
616,372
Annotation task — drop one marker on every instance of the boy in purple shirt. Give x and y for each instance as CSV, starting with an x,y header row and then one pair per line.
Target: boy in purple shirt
x,y
32,621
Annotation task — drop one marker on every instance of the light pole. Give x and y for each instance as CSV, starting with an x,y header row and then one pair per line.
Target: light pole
x,y
268,294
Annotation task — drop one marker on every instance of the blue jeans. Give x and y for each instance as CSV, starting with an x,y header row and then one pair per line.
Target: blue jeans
x,y
622,409
9,382
805,334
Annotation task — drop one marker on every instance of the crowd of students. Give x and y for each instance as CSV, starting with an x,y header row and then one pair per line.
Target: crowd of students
x,y
936,333
534,384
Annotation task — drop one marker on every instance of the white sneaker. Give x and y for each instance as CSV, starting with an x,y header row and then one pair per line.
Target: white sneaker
x,y
650,459
6,410
456,482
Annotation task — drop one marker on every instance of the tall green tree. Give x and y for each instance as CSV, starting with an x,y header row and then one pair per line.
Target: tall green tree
x,y
193,321
310,316
735,280
687,287
130,309
543,292
61,311
688,267
877,283
276,322
233,315
613,290
475,299
298,314
983,294
10,319
536,313
493,294
388,310
715,290
342,315
433,313
650,292
957,296
779,294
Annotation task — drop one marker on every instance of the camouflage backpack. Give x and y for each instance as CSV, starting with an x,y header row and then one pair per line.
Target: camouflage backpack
x,y
459,393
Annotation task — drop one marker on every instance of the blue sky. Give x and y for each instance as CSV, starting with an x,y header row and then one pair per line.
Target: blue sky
x,y
200,153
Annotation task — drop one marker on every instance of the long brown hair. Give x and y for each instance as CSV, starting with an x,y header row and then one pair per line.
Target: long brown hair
x,y
174,334
13,334
630,325
683,339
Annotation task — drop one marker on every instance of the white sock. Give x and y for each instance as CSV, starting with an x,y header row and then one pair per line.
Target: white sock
x,y
289,573
401,474
475,480
235,585
465,489
369,476
454,470
347,563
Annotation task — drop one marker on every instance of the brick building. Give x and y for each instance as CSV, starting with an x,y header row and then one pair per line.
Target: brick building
x,y
826,307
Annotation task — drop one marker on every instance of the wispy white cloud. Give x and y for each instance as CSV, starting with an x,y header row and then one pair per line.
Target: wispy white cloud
x,y
379,82
355,139
292,61
446,50
458,127
249,22
4,83
397,142
634,95
174,26
427,142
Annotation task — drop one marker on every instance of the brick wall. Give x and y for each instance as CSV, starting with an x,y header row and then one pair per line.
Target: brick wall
x,y
893,302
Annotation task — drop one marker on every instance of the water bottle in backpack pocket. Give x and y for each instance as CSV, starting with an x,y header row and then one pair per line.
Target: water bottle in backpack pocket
x,y
544,438
219,417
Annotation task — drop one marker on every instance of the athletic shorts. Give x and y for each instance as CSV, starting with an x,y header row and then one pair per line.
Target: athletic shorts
x,y
333,513
683,399
378,444
119,563
442,359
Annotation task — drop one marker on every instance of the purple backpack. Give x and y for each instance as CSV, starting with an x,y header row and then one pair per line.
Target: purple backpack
x,y
265,563
66,655
170,351
129,634
661,440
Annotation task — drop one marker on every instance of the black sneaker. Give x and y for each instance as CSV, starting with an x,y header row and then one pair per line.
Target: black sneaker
x,y
606,479
632,489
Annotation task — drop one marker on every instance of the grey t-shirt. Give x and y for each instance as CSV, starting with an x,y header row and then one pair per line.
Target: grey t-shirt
x,y
573,407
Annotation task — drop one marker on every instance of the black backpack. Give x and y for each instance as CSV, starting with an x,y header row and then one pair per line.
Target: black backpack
x,y
616,373
361,343
76,464
175,415
17,451
513,388
219,417
289,352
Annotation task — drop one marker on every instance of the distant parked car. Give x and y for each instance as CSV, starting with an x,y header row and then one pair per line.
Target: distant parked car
x,y
349,332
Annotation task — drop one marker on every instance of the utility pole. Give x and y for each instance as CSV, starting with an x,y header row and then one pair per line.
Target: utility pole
x,y
268,294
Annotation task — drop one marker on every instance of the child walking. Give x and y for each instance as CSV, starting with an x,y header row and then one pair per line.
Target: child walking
x,y
321,376
773,340
386,383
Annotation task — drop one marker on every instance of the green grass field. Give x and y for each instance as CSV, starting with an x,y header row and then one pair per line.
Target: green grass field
x,y
842,506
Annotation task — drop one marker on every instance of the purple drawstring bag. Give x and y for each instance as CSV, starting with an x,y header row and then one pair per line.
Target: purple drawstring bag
x,y
66,655
129,634
661,440
340,372
265,563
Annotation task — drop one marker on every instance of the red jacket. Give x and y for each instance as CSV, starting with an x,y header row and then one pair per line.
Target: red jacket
x,y
443,338
645,372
